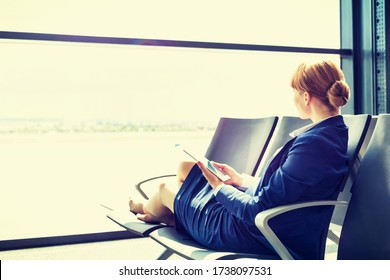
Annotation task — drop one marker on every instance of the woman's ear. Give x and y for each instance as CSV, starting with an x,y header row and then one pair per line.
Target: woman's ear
x,y
306,98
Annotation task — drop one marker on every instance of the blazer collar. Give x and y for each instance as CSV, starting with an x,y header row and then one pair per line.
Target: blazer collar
x,y
334,120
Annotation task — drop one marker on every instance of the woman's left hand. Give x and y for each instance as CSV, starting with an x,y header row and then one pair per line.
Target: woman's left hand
x,y
211,178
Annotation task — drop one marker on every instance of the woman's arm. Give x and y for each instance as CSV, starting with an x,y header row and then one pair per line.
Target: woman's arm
x,y
312,170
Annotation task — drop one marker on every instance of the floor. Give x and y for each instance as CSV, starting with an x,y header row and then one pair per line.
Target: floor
x,y
129,249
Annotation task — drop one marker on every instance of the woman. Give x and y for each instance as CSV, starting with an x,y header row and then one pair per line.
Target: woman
x,y
309,167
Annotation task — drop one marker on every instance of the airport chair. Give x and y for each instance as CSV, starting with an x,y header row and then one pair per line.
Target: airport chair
x,y
366,229
182,245
241,143
357,134
365,232
360,131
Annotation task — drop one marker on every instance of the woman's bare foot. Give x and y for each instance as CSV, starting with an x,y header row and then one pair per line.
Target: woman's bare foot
x,y
149,218
136,207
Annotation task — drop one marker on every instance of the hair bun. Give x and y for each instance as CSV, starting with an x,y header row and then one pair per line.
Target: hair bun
x,y
338,94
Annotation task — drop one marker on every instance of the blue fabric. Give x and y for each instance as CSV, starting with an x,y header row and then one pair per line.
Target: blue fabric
x,y
309,167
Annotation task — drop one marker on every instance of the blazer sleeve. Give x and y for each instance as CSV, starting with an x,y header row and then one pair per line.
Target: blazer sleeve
x,y
307,172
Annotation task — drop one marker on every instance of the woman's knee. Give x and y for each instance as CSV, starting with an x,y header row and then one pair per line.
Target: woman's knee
x,y
184,169
167,195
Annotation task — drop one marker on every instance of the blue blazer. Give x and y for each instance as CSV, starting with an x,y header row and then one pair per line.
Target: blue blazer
x,y
309,167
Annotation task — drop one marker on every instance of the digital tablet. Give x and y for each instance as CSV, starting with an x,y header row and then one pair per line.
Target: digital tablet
x,y
216,171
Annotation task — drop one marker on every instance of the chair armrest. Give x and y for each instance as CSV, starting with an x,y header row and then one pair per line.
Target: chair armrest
x,y
138,185
263,217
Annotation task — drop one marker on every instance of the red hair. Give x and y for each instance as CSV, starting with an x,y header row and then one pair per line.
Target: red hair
x,y
324,80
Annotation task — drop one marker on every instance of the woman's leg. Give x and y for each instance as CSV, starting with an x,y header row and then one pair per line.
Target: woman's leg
x,y
159,208
183,171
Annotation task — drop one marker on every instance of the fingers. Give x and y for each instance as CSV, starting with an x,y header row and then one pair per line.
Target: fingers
x,y
201,166
219,165
235,178
211,178
224,167
204,170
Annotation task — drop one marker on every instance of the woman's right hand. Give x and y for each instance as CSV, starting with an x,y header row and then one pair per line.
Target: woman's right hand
x,y
235,177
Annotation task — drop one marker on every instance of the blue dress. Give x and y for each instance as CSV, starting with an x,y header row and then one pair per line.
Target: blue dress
x,y
309,167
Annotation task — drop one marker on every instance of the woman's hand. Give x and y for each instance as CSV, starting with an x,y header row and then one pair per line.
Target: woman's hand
x,y
235,178
213,180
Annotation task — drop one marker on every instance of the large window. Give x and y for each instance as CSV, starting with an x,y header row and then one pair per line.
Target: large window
x,y
81,122
310,23
73,82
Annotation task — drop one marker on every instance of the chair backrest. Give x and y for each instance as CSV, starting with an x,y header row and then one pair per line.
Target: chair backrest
x,y
366,141
285,125
366,229
357,131
241,143
358,127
